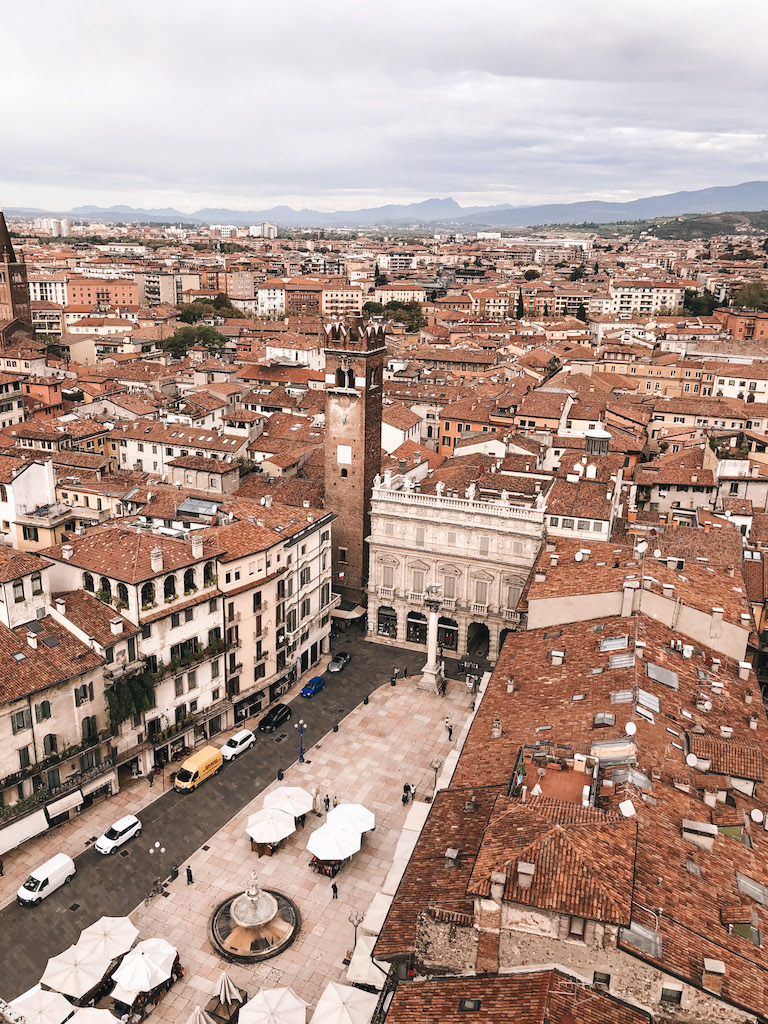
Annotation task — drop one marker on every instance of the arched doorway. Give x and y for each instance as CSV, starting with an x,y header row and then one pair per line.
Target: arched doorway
x,y
416,628
386,624
447,633
503,636
478,640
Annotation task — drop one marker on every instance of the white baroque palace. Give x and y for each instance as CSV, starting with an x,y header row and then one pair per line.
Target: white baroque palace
x,y
478,548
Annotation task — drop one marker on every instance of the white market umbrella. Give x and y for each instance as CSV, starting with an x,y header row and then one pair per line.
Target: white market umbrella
x,y
90,1015
343,1004
329,843
162,952
75,971
292,799
123,995
274,1006
269,825
41,1007
146,966
199,1016
226,991
354,817
109,936
363,968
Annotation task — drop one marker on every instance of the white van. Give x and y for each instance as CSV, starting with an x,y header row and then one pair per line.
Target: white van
x,y
43,880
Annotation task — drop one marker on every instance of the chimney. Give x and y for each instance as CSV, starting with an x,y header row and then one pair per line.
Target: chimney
x,y
744,667
726,732
32,640
498,885
156,559
260,522
496,731
116,625
525,874
669,590
558,657
67,551
539,576
639,648
713,975
553,559
61,606
451,857
310,518
753,721
197,545
267,501
627,599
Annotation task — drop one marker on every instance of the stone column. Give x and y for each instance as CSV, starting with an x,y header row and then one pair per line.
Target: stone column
x,y
325,645
431,677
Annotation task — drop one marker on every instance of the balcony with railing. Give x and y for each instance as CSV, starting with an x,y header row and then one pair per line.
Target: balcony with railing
x,y
387,593
44,793
449,603
233,617
416,597
123,669
479,609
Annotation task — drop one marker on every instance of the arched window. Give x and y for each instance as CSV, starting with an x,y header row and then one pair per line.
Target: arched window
x,y
344,473
350,378
208,574
3,493
42,710
340,378
49,744
148,595
189,580
37,583
88,582
169,587
90,730
122,594
105,588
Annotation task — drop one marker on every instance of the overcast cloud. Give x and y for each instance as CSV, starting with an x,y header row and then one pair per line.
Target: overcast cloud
x,y
349,103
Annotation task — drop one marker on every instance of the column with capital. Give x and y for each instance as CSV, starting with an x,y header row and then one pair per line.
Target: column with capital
x,y
431,676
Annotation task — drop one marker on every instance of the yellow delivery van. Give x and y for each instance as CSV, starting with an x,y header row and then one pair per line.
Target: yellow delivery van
x,y
197,768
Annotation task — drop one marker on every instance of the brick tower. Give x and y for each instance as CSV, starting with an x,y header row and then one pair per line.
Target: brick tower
x,y
14,291
354,371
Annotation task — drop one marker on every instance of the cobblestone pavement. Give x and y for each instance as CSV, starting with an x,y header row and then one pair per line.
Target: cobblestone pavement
x,y
377,748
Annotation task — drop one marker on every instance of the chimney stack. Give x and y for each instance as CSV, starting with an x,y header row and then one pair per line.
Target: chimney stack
x,y
267,501
67,551
197,546
525,874
61,606
116,625
32,640
156,559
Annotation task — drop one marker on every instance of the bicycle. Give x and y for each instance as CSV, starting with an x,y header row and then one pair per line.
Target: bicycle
x,y
156,890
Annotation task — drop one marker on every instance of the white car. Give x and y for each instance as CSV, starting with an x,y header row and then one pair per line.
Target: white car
x,y
123,830
236,744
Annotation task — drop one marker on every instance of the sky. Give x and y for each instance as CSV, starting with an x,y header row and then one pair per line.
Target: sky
x,y
345,104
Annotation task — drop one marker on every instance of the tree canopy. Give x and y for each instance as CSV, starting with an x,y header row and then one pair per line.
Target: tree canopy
x,y
699,305
531,275
752,296
407,313
188,336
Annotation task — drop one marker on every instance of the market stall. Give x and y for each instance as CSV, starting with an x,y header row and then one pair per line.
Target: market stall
x,y
267,828
331,847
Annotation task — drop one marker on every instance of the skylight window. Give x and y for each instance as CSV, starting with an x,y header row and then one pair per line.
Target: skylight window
x,y
614,643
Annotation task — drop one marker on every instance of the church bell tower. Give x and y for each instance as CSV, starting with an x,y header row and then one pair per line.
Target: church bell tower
x,y
14,290
354,370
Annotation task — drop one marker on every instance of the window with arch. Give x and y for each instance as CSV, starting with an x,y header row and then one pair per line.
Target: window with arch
x,y
169,587
3,493
37,583
88,582
148,594
105,588
344,473
189,580
90,728
122,595
340,378
49,744
208,574
350,378
42,710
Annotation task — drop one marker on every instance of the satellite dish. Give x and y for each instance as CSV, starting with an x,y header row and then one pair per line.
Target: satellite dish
x,y
578,557
630,728
657,553
756,815
707,705
627,808
691,760
262,501
642,547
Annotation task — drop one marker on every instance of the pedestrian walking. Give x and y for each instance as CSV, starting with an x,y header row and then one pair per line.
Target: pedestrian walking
x,y
447,724
405,672
406,793
190,879
413,791
151,779
335,801
302,820
394,672
334,890
450,733
327,803
405,797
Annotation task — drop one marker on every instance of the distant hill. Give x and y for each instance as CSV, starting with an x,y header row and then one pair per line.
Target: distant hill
x,y
749,196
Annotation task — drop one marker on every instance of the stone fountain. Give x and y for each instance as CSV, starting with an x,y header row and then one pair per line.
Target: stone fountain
x,y
254,925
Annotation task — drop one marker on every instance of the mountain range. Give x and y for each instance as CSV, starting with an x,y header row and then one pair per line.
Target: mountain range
x,y
748,196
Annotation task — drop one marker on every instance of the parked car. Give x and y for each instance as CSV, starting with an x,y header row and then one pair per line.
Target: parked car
x,y
339,661
275,717
315,685
123,830
46,879
236,744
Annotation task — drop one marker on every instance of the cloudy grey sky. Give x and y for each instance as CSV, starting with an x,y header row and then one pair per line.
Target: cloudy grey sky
x,y
347,103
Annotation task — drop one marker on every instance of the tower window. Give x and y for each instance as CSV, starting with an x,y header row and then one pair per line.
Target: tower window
x,y
342,554
344,473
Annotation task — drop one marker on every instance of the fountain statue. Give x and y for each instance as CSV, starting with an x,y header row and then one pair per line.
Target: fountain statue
x,y
254,925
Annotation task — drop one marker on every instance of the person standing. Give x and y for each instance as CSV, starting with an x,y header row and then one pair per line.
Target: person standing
x,y
450,733
334,890
406,793
447,724
405,672
413,793
327,803
190,879
335,801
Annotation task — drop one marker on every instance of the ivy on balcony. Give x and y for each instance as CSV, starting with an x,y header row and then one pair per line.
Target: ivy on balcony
x,y
130,697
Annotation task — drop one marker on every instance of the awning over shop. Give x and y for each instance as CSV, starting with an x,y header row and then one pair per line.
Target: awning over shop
x,y
18,832
66,803
99,783
346,610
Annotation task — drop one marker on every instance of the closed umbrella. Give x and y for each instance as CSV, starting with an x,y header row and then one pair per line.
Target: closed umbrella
x,y
199,1016
343,1004
90,1015
41,1007
226,991
329,843
293,799
354,817
269,825
75,971
109,936
274,1006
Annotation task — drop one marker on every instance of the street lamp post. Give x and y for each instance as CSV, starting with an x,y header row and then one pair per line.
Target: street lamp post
x,y
355,919
301,728
435,764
